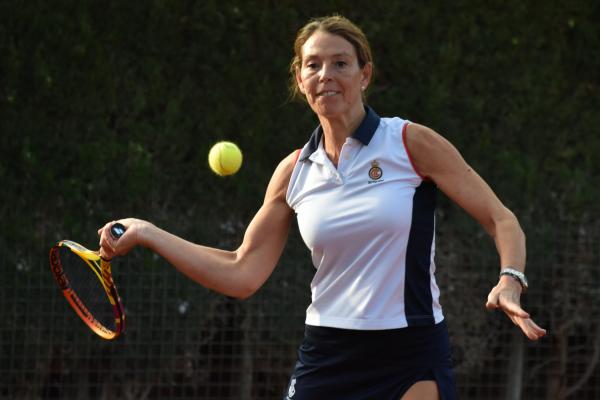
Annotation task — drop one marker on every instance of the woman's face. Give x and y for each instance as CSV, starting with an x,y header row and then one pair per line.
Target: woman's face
x,y
330,76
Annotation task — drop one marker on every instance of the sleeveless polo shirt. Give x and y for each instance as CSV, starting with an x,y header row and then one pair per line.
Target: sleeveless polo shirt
x,y
369,224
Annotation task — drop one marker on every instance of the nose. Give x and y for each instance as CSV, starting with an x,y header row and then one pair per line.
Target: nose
x,y
325,74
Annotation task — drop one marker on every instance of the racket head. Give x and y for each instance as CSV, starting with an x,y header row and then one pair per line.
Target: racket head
x,y
85,280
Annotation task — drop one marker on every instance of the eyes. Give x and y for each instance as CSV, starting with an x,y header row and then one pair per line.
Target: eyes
x,y
314,65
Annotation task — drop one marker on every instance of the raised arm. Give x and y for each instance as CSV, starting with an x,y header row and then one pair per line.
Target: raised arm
x,y
437,159
238,273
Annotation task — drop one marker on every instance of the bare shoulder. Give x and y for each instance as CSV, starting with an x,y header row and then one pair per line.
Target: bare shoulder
x,y
430,151
421,138
280,180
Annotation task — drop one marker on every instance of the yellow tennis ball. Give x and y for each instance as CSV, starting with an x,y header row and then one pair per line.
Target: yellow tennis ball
x,y
225,158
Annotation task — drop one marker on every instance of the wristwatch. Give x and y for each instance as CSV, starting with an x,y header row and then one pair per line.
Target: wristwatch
x,y
518,275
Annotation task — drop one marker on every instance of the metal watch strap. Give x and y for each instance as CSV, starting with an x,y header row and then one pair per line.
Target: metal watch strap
x,y
518,275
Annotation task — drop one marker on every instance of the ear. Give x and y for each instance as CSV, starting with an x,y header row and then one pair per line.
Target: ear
x,y
367,73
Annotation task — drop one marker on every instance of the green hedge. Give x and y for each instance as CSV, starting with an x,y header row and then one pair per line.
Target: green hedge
x,y
109,109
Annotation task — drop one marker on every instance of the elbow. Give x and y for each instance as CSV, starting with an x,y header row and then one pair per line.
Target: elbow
x,y
249,276
245,293
247,285
238,291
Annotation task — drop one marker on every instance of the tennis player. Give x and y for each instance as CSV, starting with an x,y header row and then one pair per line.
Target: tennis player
x,y
363,190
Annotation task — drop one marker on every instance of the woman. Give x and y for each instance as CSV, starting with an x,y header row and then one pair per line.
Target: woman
x,y
363,190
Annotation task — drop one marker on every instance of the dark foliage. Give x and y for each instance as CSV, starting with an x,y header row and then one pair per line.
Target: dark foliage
x,y
108,109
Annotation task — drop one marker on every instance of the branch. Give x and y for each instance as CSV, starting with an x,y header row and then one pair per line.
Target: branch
x,y
536,369
588,372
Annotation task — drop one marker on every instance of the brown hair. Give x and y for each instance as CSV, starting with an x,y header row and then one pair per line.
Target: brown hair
x,y
335,25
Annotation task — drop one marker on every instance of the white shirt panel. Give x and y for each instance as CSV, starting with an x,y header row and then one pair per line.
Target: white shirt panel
x,y
356,227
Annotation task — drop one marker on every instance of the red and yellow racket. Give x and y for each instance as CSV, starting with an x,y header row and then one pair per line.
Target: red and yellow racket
x,y
86,282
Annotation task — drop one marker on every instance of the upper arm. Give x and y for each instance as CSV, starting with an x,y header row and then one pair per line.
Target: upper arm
x,y
437,159
267,233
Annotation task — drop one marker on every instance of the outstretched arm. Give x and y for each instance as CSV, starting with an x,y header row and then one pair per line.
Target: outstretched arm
x,y
437,159
237,273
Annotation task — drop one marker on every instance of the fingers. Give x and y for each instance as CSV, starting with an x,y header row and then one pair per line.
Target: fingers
x,y
107,242
111,247
492,301
106,254
527,325
530,328
508,301
512,309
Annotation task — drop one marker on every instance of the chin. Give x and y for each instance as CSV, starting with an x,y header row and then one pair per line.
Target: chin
x,y
328,110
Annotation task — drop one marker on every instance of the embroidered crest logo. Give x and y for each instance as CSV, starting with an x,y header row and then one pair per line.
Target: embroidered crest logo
x,y
375,173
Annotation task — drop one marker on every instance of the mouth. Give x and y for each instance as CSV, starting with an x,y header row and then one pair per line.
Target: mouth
x,y
327,93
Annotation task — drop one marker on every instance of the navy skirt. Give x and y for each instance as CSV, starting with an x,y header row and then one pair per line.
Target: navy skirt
x,y
349,364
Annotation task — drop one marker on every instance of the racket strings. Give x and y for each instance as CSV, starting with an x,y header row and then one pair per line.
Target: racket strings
x,y
85,281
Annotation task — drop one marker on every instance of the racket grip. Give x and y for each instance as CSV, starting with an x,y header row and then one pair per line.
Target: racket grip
x,y
117,230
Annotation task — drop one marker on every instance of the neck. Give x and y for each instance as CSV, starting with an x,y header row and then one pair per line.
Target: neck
x,y
337,129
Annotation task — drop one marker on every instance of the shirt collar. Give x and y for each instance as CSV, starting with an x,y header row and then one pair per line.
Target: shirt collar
x,y
364,133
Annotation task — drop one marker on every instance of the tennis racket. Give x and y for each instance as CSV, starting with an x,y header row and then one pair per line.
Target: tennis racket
x,y
86,282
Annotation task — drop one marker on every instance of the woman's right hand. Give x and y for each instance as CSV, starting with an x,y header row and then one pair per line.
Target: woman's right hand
x,y
133,236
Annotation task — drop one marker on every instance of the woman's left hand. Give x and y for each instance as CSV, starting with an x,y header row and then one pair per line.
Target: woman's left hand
x,y
506,296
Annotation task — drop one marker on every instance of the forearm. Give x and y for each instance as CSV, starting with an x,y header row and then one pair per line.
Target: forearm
x,y
510,241
215,269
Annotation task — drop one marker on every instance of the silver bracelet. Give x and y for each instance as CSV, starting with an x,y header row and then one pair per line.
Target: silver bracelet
x,y
517,275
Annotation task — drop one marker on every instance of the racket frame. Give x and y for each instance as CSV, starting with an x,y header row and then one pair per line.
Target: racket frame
x,y
102,270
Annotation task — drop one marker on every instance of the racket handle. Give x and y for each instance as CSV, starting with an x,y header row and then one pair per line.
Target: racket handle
x,y
117,230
